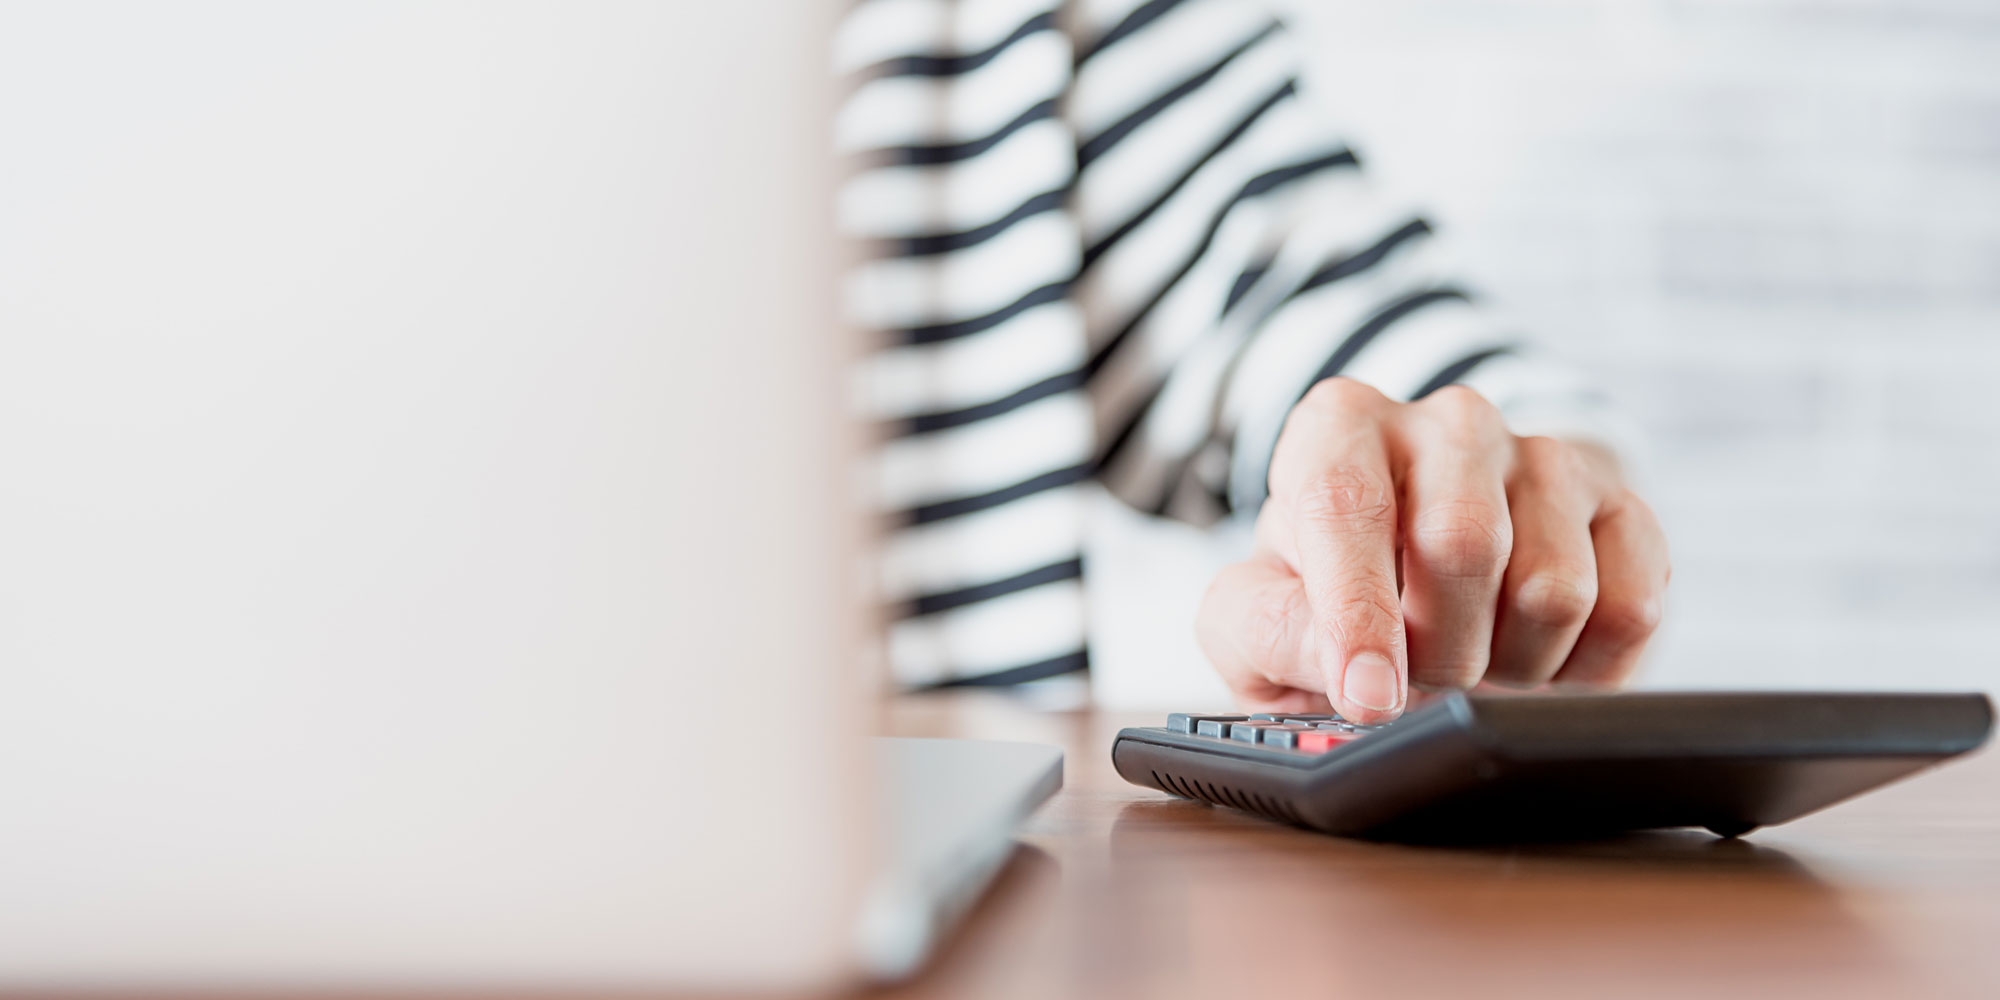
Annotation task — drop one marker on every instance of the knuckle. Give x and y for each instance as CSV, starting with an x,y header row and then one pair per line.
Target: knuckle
x,y
1341,394
1347,498
1632,510
1462,539
1555,600
1461,405
1550,459
1623,502
1628,621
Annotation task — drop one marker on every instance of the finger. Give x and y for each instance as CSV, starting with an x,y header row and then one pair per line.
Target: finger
x,y
1256,629
1332,474
1551,581
1632,574
1458,535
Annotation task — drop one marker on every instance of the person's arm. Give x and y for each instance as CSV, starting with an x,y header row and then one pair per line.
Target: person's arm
x,y
1111,241
1440,507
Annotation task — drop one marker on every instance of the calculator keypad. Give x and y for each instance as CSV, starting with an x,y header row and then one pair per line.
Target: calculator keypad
x,y
1307,733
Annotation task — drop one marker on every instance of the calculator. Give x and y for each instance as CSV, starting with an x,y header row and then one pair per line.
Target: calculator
x,y
1551,766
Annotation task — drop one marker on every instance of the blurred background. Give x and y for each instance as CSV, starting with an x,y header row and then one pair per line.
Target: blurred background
x,y
1772,229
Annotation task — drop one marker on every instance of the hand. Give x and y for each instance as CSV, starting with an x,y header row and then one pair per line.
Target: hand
x,y
1421,544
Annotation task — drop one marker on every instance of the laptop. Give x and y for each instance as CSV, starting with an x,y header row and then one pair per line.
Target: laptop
x,y
427,550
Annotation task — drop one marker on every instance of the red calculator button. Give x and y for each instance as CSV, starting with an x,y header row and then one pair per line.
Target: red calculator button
x,y
1321,740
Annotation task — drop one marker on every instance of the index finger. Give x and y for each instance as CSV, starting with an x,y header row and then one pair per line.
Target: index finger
x,y
1332,472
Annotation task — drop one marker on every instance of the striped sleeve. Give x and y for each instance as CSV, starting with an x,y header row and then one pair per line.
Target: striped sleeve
x,y
1107,240
1235,254
962,167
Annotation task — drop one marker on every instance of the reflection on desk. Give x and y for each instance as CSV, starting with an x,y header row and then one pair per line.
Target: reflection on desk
x,y
1122,891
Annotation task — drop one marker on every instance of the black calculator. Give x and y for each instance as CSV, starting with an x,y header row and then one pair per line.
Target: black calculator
x,y
1514,767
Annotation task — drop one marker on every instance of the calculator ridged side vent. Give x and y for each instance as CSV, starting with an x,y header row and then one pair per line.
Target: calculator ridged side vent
x,y
1223,795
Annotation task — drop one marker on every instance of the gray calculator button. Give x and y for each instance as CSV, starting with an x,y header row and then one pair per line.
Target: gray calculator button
x,y
1246,732
1286,737
1218,728
1185,722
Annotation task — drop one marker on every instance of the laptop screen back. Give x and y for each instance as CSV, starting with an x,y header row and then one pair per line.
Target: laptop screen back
x,y
423,533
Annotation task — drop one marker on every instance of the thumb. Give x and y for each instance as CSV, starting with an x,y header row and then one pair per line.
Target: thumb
x,y
1255,625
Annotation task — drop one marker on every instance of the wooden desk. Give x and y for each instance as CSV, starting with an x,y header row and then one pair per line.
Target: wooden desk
x,y
1120,891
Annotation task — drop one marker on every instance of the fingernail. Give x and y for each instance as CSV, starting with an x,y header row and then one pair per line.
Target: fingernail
x,y
1371,682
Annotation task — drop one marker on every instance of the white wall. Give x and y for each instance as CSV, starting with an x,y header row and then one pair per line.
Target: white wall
x,y
1772,227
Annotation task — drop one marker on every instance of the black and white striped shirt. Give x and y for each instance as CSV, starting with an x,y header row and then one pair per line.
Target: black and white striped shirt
x,y
1107,241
